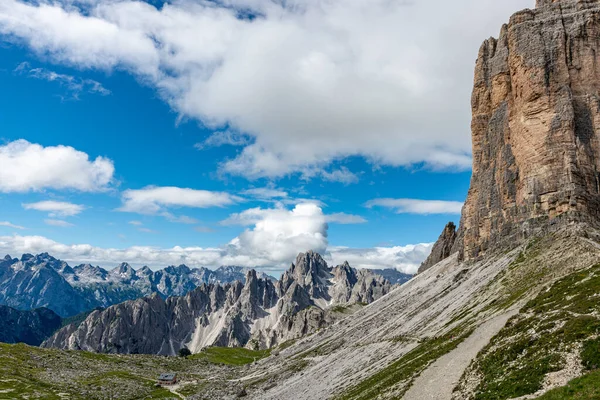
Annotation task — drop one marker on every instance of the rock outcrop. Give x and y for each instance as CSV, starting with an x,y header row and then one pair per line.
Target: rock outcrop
x,y
536,114
257,314
442,248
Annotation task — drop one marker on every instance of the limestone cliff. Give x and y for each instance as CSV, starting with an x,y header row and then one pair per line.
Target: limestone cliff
x,y
442,247
536,115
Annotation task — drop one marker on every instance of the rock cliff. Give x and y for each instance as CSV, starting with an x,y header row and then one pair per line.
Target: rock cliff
x,y
257,314
442,247
536,114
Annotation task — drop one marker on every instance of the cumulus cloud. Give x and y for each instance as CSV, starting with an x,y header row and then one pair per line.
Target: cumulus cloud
x,y
55,208
26,167
309,82
278,234
154,200
58,222
9,225
414,206
406,259
74,85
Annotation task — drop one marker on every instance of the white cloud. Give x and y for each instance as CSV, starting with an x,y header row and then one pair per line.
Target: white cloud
x,y
345,219
74,85
406,259
271,242
9,225
58,222
266,193
55,208
146,230
154,200
26,167
222,138
342,175
279,234
135,223
310,82
414,206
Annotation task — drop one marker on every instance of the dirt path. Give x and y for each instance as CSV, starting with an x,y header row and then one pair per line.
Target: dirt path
x,y
440,378
173,389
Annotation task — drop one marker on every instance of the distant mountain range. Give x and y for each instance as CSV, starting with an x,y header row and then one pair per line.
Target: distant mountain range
x,y
43,281
393,275
258,314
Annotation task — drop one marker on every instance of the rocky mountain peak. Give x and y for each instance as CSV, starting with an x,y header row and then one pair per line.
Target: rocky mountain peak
x,y
309,267
26,257
145,270
442,247
124,271
345,273
312,272
181,269
258,312
536,154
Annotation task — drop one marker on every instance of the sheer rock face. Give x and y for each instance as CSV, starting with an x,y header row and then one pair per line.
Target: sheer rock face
x,y
536,114
259,313
442,248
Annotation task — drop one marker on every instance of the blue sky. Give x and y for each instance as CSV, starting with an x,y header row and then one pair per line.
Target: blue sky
x,y
154,126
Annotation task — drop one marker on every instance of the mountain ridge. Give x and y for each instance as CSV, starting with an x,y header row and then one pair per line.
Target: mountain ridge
x,y
258,314
44,281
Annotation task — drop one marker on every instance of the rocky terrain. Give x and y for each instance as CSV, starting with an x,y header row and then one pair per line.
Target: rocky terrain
x,y
34,373
510,311
30,327
258,314
43,281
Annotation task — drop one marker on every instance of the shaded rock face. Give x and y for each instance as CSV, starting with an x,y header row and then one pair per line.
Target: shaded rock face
x,y
536,114
257,314
442,248
29,327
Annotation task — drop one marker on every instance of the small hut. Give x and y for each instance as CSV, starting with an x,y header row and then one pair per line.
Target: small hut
x,y
167,379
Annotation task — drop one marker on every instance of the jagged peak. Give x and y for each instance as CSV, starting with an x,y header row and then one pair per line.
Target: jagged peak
x,y
26,257
182,268
251,276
